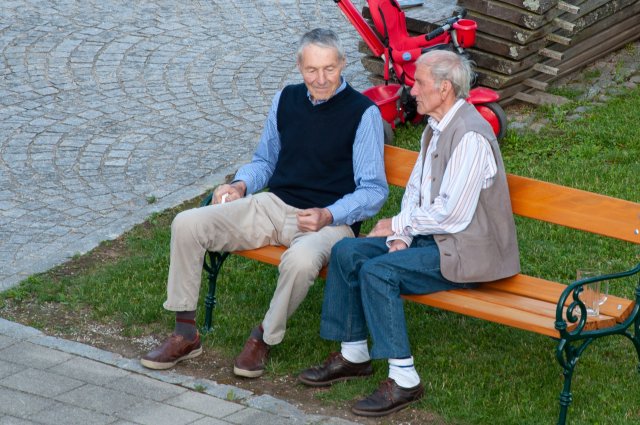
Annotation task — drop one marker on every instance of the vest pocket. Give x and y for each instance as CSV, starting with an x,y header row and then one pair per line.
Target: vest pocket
x,y
478,259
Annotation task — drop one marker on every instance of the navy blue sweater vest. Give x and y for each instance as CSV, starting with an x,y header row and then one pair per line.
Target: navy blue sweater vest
x,y
315,164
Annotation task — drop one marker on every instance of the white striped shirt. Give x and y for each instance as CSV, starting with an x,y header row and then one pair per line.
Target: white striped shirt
x,y
471,168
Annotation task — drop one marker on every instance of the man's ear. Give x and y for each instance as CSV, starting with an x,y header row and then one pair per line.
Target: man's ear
x,y
445,88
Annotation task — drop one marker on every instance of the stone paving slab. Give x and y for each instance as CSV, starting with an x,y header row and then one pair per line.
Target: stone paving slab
x,y
89,388
112,110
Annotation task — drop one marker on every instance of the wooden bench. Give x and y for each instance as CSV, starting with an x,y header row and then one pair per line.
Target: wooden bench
x,y
524,302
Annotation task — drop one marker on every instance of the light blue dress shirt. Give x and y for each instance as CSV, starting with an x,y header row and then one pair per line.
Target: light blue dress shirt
x,y
368,165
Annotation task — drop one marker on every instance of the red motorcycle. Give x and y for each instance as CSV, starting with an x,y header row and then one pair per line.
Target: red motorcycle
x,y
399,52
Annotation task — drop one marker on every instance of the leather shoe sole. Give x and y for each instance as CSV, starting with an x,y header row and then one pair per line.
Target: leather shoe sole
x,y
387,399
174,349
168,365
247,373
250,363
335,369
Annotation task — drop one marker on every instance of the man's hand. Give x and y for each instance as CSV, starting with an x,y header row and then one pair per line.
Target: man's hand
x,y
397,245
382,228
314,219
229,192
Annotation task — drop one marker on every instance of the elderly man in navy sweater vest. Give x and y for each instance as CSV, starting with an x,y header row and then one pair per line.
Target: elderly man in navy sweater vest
x,y
321,155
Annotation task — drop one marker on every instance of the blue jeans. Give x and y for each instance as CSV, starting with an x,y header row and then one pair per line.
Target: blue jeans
x,y
363,288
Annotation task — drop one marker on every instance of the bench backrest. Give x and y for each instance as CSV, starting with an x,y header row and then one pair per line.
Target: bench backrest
x,y
574,208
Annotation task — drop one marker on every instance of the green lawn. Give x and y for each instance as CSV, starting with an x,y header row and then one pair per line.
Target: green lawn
x,y
475,372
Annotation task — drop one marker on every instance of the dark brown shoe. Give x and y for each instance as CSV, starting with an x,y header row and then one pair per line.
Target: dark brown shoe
x,y
335,368
388,398
251,362
173,350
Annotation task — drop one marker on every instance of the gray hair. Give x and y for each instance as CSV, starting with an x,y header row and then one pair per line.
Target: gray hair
x,y
449,66
321,37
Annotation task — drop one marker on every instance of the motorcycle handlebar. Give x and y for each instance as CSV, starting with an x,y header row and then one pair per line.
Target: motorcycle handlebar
x,y
446,26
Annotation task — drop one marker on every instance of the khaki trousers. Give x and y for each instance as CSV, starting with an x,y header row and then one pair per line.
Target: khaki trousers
x,y
252,222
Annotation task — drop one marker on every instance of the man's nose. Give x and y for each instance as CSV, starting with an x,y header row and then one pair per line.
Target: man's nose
x,y
322,78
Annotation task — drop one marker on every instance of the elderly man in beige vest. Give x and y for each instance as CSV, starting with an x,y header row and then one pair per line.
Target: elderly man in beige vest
x,y
455,230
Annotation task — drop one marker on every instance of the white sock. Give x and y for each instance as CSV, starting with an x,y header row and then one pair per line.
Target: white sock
x,y
356,351
403,372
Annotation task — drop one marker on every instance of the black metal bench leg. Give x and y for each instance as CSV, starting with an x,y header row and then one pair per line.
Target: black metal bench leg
x,y
565,397
635,338
636,335
564,354
568,355
212,265
636,327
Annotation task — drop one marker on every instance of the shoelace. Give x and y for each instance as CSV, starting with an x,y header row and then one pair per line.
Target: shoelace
x,y
327,361
385,390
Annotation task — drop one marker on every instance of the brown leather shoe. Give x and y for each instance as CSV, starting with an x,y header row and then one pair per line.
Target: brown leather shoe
x,y
335,368
173,350
253,358
388,398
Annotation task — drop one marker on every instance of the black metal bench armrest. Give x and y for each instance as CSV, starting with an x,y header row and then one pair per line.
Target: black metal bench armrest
x,y
576,312
206,201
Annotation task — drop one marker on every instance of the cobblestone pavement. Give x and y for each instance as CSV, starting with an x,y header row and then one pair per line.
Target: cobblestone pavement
x,y
111,110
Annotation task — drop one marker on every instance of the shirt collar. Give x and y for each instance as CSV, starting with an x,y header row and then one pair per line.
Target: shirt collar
x,y
439,127
342,86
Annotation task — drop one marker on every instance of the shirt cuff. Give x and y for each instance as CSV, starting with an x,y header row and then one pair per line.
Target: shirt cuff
x,y
398,230
247,181
406,239
339,214
398,224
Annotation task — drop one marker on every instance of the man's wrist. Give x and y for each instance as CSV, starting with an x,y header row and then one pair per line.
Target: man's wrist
x,y
328,216
240,185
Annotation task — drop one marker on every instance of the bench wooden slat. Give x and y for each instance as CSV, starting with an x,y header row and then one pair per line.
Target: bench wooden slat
x,y
519,302
532,305
521,292
529,286
574,208
398,164
459,301
267,254
546,290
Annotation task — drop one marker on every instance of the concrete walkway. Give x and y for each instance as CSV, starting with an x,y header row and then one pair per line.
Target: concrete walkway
x,y
46,380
